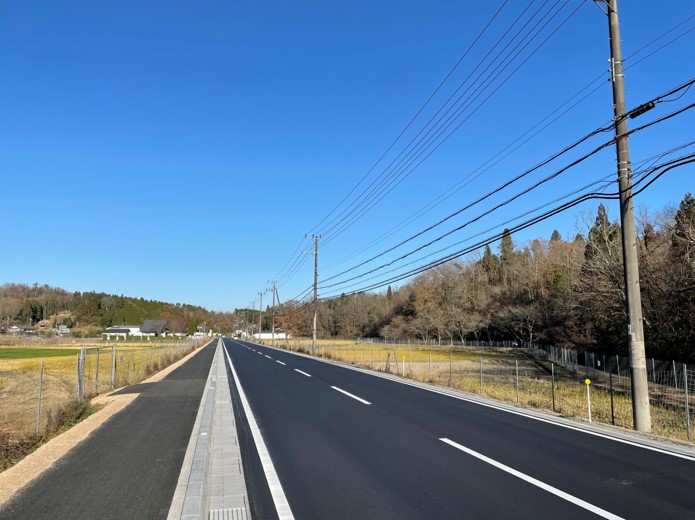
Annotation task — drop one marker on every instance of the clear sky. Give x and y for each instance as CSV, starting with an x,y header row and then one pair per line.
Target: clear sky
x,y
180,150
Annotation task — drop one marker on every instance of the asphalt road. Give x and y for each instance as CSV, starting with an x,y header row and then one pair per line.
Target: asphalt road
x,y
394,451
128,468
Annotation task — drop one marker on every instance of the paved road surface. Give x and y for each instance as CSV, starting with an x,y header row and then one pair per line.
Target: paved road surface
x,y
412,453
128,468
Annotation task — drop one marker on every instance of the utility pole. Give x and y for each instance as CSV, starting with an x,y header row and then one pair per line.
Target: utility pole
x,y
316,289
633,300
273,336
253,317
260,317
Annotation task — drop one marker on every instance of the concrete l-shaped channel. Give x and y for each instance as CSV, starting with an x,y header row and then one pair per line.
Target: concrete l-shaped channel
x,y
211,483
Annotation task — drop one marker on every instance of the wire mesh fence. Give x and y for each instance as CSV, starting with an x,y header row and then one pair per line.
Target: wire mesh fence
x,y
35,385
547,378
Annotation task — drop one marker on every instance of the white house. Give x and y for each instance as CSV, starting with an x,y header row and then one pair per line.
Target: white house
x,y
121,331
268,335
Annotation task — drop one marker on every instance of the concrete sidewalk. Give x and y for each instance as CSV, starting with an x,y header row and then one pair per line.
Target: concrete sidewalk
x,y
128,467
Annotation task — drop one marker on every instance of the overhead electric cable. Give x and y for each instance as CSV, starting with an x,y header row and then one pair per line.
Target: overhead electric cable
x,y
390,186
417,114
516,196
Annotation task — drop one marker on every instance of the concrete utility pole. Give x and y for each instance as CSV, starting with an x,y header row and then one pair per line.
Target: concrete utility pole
x,y
260,317
316,289
273,336
253,314
633,300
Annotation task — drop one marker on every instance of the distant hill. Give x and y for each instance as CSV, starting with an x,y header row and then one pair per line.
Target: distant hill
x,y
43,307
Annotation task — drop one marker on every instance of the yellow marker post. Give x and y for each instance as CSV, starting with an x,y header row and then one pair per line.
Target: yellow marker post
x,y
587,382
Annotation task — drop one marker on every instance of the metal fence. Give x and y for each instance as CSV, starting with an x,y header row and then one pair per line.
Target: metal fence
x,y
544,378
33,391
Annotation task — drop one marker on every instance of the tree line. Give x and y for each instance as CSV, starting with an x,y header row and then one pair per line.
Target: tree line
x,y
30,305
569,293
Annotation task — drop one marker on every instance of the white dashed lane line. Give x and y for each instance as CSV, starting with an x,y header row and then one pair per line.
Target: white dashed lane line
x,y
279,362
303,373
350,395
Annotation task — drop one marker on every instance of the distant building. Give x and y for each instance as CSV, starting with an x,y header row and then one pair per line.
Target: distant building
x,y
16,330
62,330
154,328
268,335
121,331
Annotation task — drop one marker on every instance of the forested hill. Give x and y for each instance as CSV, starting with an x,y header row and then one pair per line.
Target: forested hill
x,y
567,292
40,304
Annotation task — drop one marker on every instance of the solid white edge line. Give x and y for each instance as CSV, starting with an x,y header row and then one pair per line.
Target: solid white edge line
x,y
546,487
350,395
303,373
280,500
280,362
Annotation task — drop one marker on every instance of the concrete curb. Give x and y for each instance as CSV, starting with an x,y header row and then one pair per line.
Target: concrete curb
x,y
211,483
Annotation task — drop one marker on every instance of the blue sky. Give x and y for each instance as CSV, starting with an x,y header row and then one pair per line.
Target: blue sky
x,y
180,151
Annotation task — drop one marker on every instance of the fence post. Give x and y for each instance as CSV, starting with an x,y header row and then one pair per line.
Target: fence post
x,y
617,367
38,406
451,355
653,372
675,375
96,377
687,407
113,366
429,366
552,382
610,378
481,375
516,362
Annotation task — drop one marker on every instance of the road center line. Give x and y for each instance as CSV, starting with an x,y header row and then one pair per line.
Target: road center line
x,y
546,487
279,362
282,506
266,355
303,373
350,395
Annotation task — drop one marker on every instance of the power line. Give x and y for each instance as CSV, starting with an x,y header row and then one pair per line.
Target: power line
x,y
296,262
602,183
398,175
690,159
489,163
512,198
417,114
